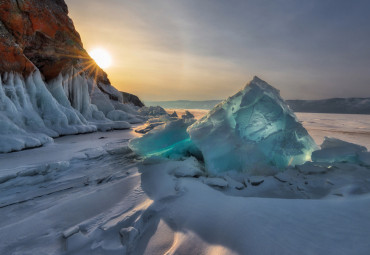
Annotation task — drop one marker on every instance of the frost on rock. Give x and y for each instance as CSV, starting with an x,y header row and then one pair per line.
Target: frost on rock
x,y
335,150
33,111
252,129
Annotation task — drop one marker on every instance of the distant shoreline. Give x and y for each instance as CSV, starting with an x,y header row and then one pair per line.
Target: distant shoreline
x,y
332,105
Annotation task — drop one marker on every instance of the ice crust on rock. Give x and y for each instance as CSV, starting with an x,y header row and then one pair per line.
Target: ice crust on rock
x,y
252,129
33,111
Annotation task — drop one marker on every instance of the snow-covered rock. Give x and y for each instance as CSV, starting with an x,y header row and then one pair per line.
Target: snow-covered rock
x,y
190,168
216,182
234,183
252,129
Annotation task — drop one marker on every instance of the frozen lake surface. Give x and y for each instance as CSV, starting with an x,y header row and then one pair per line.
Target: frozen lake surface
x,y
354,128
89,194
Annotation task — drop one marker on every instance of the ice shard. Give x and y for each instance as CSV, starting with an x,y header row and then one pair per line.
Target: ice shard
x,y
170,141
252,129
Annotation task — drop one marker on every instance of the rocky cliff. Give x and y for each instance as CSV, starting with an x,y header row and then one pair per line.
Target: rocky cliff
x,y
49,85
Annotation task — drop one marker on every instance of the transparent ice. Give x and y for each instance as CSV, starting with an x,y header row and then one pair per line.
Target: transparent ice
x,y
252,129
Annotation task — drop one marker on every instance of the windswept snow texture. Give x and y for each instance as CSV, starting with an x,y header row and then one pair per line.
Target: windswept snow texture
x,y
33,111
251,130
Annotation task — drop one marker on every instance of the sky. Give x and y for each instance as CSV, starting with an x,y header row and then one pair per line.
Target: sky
x,y
209,49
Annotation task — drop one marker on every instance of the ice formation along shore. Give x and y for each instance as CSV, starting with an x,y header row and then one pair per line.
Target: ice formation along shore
x,y
251,130
33,111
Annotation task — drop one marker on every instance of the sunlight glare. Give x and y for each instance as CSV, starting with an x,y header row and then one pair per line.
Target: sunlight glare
x,y
101,57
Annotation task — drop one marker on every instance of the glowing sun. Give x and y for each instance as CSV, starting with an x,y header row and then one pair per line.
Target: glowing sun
x,y
101,57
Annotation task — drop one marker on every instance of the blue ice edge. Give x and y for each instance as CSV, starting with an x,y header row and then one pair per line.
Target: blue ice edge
x,y
169,141
254,129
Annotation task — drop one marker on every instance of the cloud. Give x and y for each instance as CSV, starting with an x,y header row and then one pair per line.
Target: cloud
x,y
207,49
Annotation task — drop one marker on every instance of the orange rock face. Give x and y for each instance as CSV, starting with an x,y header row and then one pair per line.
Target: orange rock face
x,y
39,34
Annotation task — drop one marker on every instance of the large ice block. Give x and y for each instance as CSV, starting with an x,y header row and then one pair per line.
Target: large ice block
x,y
252,129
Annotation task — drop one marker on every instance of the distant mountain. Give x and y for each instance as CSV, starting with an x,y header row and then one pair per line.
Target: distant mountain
x,y
332,105
184,104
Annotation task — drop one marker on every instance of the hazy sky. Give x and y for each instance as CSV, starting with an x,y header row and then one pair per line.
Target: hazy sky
x,y
208,49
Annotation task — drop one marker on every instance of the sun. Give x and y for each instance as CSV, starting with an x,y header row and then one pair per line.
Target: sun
x,y
101,57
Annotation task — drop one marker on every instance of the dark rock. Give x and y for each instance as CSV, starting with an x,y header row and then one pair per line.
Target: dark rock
x,y
148,128
130,98
187,115
174,115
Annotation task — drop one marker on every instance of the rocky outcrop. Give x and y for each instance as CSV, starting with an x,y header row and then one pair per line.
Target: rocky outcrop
x,y
49,85
38,34
130,98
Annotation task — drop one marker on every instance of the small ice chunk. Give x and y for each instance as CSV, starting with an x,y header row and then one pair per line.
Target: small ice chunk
x,y
233,183
335,150
215,181
58,166
187,172
256,180
95,153
119,151
71,231
312,168
282,176
189,168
